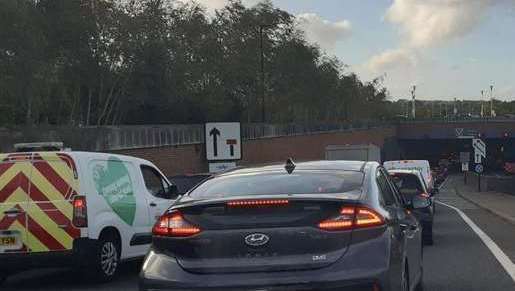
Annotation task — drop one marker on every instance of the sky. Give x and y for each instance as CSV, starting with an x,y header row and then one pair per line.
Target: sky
x,y
447,48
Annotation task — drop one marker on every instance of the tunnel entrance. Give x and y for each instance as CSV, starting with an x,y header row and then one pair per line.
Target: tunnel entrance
x,y
499,151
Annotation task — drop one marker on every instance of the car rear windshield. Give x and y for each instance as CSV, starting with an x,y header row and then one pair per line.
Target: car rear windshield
x,y
408,183
275,183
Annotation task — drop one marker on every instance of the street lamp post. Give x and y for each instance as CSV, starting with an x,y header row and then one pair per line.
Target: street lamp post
x,y
262,28
482,104
492,101
262,67
413,96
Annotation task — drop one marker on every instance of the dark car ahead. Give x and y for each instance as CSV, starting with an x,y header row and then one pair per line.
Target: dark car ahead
x,y
311,226
410,184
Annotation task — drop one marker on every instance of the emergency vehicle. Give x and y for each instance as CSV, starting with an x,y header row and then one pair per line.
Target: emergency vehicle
x,y
92,210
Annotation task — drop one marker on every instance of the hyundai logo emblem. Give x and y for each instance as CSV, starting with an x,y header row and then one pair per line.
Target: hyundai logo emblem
x,y
257,239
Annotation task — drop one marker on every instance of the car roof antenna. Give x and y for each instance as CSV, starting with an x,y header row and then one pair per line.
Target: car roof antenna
x,y
290,166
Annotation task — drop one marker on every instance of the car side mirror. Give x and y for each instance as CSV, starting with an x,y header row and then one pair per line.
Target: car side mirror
x,y
419,202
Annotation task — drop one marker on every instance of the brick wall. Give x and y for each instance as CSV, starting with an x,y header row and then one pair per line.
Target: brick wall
x,y
176,160
308,147
173,160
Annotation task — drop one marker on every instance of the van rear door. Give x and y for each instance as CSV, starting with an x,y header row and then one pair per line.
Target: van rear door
x,y
54,184
15,171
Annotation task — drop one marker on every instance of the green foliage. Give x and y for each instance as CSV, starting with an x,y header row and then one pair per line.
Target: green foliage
x,y
103,62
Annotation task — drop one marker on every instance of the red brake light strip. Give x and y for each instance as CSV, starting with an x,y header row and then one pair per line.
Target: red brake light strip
x,y
252,203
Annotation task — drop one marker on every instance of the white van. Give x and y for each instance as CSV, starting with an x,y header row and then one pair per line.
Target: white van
x,y
78,208
421,165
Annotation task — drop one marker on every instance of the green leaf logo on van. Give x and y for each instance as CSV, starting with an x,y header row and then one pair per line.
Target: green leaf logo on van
x,y
113,182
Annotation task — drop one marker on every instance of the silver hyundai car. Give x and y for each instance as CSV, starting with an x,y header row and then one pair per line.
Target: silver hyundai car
x,y
326,225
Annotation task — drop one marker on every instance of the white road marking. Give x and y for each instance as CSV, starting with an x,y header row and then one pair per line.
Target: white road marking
x,y
442,185
501,257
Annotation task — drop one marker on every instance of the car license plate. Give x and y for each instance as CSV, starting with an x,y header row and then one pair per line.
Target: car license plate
x,y
7,241
10,241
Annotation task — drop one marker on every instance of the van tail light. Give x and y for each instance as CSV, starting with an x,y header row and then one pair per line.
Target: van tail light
x,y
352,217
425,195
174,224
80,212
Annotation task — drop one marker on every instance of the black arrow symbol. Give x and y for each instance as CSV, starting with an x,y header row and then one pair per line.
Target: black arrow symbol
x,y
231,143
215,133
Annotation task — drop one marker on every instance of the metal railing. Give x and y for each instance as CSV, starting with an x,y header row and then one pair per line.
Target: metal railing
x,y
146,136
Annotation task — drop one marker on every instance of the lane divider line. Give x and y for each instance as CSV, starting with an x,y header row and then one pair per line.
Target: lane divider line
x,y
501,257
442,185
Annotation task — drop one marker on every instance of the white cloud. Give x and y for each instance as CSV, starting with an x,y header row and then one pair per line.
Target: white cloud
x,y
424,24
323,32
212,5
433,22
391,59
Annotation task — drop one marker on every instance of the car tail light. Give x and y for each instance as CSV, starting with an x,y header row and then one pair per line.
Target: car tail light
x,y
174,224
352,217
258,203
80,212
367,218
345,220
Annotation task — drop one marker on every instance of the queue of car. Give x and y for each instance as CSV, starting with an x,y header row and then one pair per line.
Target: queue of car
x,y
414,178
325,225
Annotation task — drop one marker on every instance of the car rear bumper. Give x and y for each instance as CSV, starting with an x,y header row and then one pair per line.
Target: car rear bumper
x,y
364,265
305,287
81,254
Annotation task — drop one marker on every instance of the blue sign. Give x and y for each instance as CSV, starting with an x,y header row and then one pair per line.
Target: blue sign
x,y
479,168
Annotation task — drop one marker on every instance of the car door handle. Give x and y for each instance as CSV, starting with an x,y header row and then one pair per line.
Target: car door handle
x,y
153,204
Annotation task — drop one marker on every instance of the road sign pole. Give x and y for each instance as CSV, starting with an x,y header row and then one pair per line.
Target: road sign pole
x,y
479,182
465,177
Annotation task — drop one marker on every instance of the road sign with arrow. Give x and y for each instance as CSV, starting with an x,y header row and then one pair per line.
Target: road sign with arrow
x,y
223,141
479,150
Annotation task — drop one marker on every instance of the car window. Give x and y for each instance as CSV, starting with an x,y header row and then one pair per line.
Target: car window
x,y
272,183
154,182
408,184
395,190
386,190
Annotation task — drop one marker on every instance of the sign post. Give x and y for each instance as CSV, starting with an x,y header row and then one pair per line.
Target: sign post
x,y
223,145
479,153
465,169
465,159
479,170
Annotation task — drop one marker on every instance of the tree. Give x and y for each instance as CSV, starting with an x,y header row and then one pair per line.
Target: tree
x,y
103,62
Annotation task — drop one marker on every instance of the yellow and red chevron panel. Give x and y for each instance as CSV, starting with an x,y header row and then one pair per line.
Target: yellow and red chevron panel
x,y
42,186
